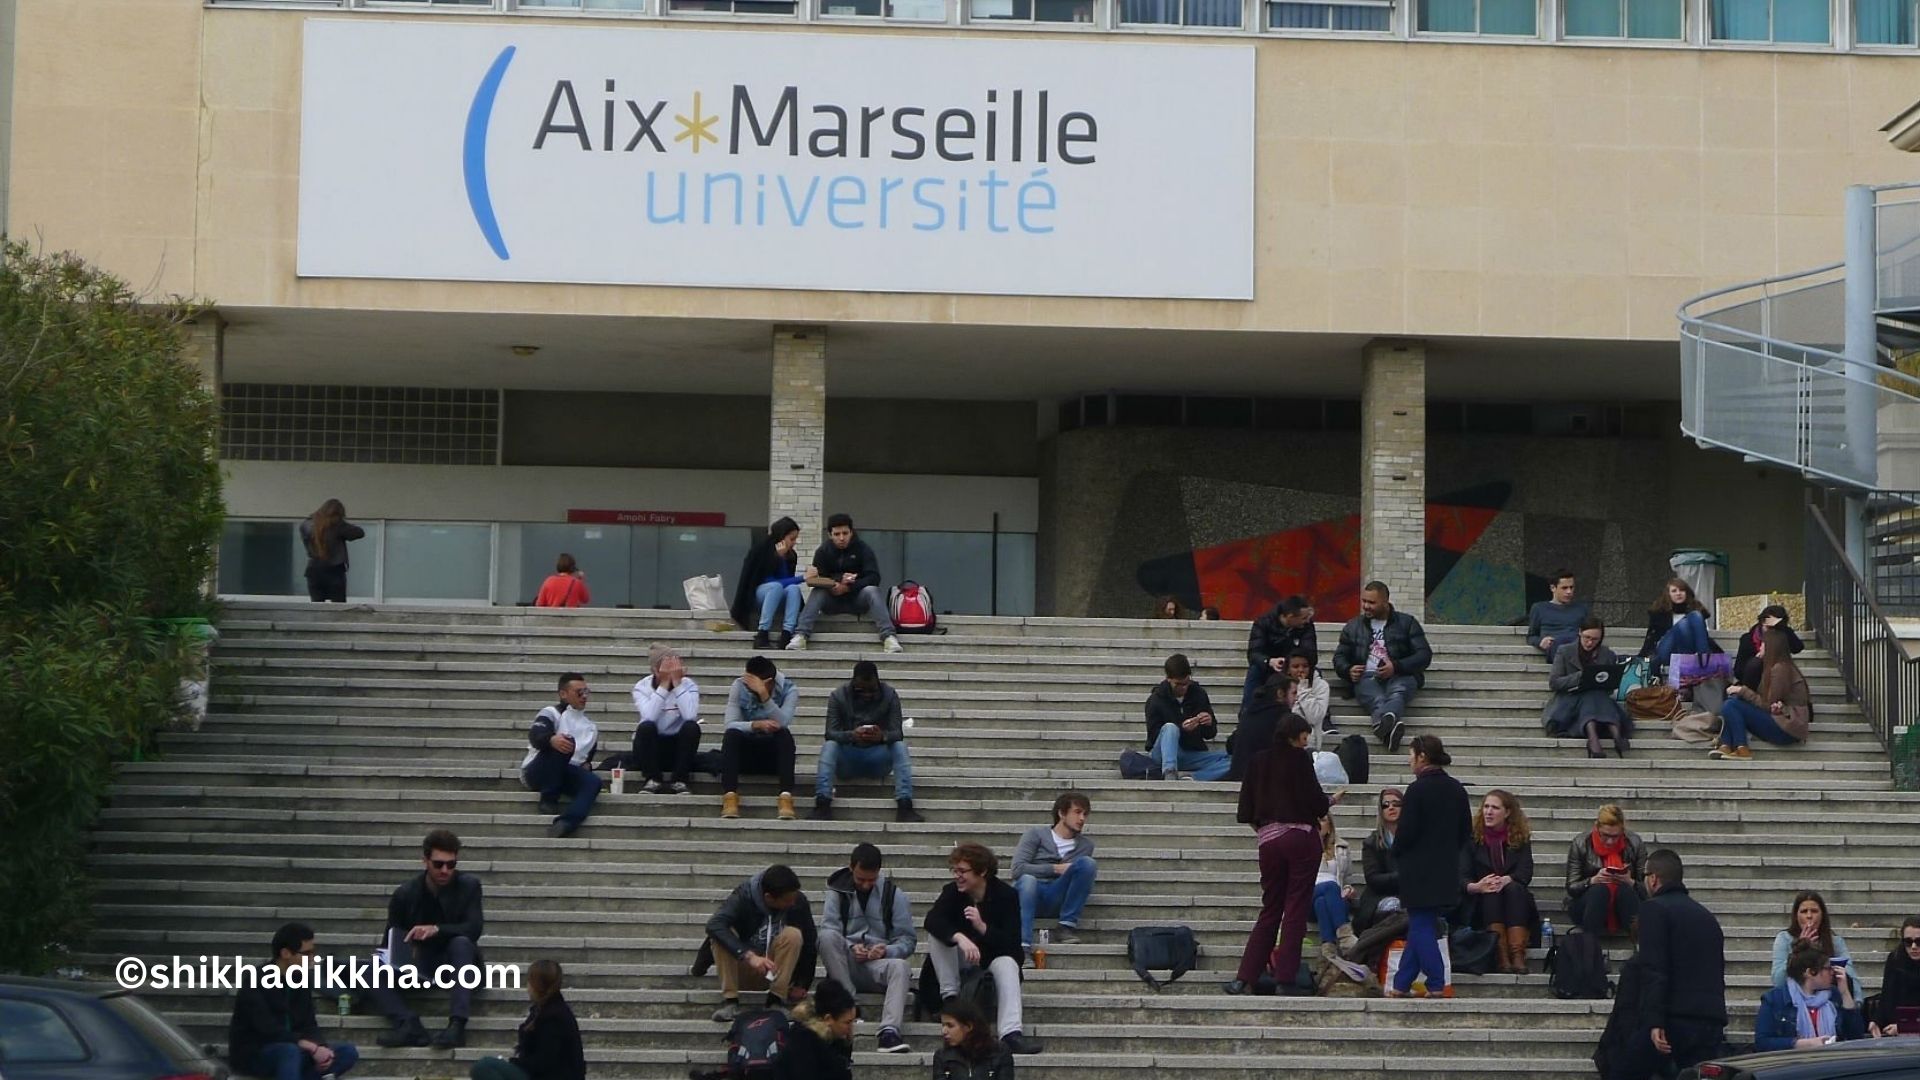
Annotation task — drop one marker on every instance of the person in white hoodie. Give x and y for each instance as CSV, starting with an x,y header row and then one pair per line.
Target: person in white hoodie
x,y
669,706
560,757
1308,695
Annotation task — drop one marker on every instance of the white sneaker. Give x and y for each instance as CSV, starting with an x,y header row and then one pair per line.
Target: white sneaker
x,y
892,644
798,644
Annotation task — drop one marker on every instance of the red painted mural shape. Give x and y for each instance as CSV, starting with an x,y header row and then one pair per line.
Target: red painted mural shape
x,y
1321,561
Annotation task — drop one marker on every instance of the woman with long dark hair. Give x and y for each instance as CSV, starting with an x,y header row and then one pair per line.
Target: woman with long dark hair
x,y
1283,801
1676,623
768,581
1779,711
325,536
1500,878
1573,713
1900,984
1807,923
968,1050
820,1039
549,1038
1436,826
1747,668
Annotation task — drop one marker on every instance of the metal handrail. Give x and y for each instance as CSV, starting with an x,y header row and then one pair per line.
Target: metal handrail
x,y
1879,676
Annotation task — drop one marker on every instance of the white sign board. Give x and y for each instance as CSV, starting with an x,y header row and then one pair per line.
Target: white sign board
x,y
636,155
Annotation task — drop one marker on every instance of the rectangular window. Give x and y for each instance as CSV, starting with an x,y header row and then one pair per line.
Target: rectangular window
x,y
587,5
1050,11
1884,22
1374,17
1180,13
1786,21
905,10
1516,18
736,7
1642,20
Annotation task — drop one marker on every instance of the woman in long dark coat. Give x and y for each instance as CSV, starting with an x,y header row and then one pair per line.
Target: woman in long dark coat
x,y
1436,826
1573,713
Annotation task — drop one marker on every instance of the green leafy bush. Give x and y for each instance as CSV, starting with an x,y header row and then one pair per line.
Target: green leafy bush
x,y
109,515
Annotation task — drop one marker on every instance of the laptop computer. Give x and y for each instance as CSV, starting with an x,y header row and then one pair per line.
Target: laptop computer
x,y
1602,677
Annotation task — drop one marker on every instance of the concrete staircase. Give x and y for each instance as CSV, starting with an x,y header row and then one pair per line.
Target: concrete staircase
x,y
339,735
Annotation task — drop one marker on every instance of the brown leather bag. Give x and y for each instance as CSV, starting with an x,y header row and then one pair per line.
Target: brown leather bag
x,y
1653,704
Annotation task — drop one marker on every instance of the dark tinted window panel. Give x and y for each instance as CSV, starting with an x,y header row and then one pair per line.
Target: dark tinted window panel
x,y
1147,410
1212,412
1343,416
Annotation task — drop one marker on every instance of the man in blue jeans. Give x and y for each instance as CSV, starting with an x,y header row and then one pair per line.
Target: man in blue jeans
x,y
1179,723
274,1032
559,757
1054,870
865,737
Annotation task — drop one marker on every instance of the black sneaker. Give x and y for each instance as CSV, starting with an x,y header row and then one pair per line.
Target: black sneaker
x,y
1235,987
762,640
786,636
451,1037
903,811
411,1033
822,810
891,1042
548,806
561,829
1018,1043
1396,728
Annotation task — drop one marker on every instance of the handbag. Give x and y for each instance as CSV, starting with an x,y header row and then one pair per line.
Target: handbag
x,y
1638,673
1688,669
704,593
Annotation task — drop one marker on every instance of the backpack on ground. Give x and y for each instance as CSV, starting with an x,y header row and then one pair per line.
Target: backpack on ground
x,y
1135,765
976,985
1151,948
911,606
755,1044
1353,755
1577,967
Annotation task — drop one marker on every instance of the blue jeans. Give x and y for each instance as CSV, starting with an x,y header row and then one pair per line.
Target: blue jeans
x,y
839,760
1740,718
770,594
1330,908
1066,894
553,776
286,1061
1203,764
1422,954
1380,696
1689,635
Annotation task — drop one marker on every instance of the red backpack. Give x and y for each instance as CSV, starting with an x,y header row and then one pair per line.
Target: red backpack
x,y
912,608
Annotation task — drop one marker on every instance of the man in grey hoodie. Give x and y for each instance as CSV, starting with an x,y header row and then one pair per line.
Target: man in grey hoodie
x,y
867,936
865,737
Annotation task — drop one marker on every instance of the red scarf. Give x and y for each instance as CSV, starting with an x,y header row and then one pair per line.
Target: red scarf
x,y
1496,841
1613,856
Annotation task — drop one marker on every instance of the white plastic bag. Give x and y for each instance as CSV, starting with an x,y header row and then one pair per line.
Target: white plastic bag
x,y
704,593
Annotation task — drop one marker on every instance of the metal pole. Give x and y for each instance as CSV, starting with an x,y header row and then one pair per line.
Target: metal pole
x,y
993,601
1862,340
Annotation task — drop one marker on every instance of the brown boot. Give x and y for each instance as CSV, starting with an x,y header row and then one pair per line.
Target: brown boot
x,y
730,805
1517,941
786,806
1501,963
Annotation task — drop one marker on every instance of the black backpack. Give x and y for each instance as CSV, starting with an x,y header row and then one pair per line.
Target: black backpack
x,y
1577,967
1472,951
1352,752
976,985
755,1044
1156,947
1135,765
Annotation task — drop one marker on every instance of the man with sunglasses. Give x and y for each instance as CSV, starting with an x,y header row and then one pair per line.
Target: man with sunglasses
x,y
274,1032
433,920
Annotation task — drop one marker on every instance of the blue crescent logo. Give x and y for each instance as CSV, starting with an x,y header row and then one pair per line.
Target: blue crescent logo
x,y
475,152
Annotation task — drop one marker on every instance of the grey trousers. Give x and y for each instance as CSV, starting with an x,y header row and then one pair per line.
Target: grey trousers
x,y
869,600
890,977
1006,982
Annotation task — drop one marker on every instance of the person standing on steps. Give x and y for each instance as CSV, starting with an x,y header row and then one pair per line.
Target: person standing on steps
x,y
325,535
1680,972
1179,724
547,1043
1273,639
975,923
759,734
433,921
1282,800
669,706
866,936
1383,656
565,587
1054,870
274,1033
1500,879
1436,829
762,938
865,736
769,585
1554,622
559,759
845,575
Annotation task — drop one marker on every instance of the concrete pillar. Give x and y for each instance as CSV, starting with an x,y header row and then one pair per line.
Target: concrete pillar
x,y
798,466
1393,470
206,349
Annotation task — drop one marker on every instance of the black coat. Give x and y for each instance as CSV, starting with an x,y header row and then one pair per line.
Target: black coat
x,y
1163,709
737,924
1270,639
1404,637
1436,825
857,559
337,536
1519,867
1747,655
1251,735
763,562
549,1043
1684,961
1000,908
456,909
1382,871
809,1056
950,1064
262,1017
1899,985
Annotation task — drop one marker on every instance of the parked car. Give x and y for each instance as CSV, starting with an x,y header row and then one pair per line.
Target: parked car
x,y
60,1030
1867,1059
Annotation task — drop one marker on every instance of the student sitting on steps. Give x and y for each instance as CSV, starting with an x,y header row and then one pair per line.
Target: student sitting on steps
x,y
1606,874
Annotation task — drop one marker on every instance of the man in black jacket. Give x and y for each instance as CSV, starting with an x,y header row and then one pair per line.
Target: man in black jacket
x,y
845,575
1680,974
432,920
1275,636
763,937
1180,722
975,923
1383,657
274,1032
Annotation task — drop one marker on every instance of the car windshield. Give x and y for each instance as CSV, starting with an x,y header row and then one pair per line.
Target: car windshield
x,y
159,1032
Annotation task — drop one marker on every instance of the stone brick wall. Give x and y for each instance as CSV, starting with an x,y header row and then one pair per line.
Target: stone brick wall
x,y
1393,478
797,476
